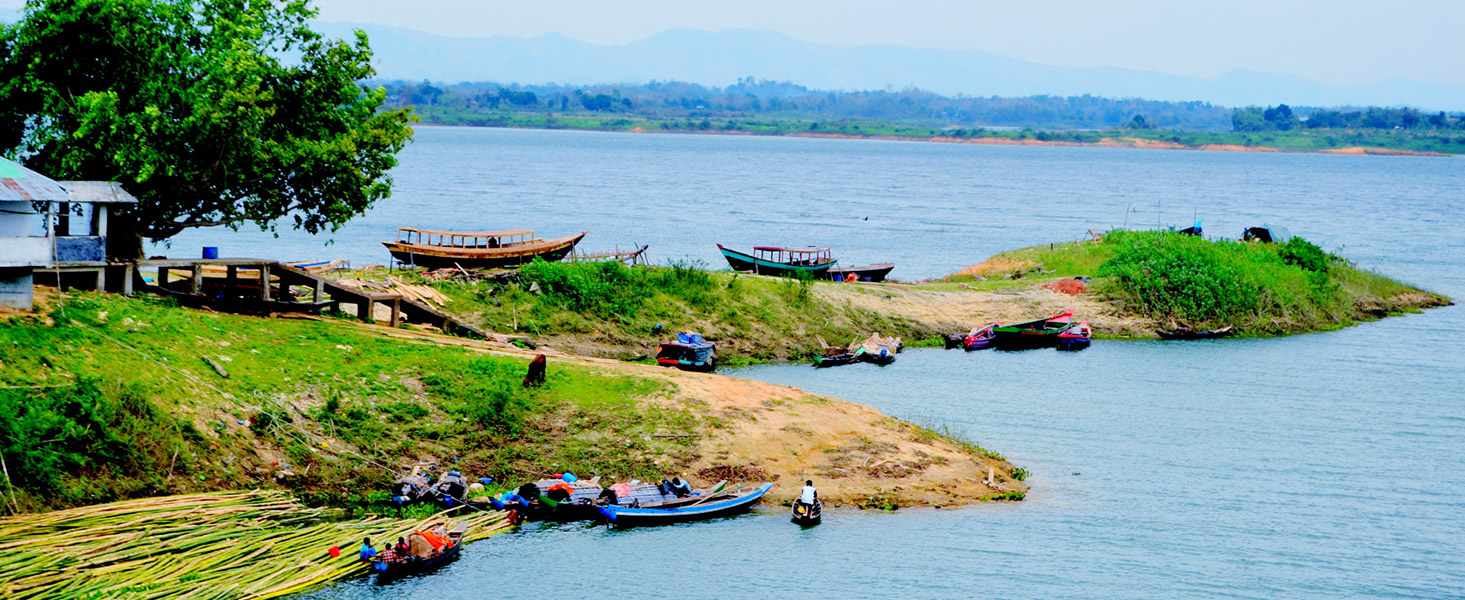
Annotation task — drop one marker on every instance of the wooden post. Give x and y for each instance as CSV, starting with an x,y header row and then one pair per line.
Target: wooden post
x,y
264,282
231,281
396,312
363,310
196,283
320,289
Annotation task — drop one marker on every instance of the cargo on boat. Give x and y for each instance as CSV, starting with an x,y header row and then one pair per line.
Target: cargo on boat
x,y
476,249
690,508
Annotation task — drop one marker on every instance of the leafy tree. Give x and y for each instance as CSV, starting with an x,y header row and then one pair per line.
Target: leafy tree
x,y
211,112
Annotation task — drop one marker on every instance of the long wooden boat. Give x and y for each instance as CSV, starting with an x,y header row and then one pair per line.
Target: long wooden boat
x,y
476,249
399,566
1033,334
708,508
1191,334
835,360
772,260
1077,337
981,338
873,273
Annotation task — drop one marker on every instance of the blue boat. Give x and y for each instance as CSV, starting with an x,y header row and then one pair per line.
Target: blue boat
x,y
690,352
710,508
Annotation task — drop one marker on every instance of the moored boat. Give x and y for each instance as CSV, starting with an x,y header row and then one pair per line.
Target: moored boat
x,y
428,550
476,249
835,360
1191,334
1076,337
1032,334
707,507
873,273
981,337
773,260
689,352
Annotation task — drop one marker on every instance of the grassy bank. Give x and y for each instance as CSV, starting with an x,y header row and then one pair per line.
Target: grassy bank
x,y
1262,289
1298,140
611,310
115,398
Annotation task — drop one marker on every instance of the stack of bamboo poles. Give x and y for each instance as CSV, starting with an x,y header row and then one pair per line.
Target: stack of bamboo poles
x,y
257,544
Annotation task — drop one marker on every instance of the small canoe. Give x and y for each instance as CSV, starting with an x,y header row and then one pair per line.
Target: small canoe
x,y
980,338
476,249
1076,337
425,559
808,515
711,507
874,273
772,260
1191,334
883,356
835,360
1042,333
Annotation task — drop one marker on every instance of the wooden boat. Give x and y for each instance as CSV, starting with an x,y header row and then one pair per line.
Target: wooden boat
x,y
980,338
690,352
1191,334
874,273
882,357
835,360
772,260
708,507
630,258
808,515
1032,334
1076,337
429,551
476,249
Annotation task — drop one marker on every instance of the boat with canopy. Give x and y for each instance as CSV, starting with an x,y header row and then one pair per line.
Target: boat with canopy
x,y
773,260
476,249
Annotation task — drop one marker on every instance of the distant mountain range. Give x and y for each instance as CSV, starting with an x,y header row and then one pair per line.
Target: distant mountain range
x,y
722,57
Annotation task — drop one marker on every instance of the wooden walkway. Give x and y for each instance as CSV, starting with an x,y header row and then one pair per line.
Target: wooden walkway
x,y
254,285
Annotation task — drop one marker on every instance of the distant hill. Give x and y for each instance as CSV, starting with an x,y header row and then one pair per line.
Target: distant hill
x,y
719,58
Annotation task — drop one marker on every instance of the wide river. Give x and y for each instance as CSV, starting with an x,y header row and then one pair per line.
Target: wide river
x,y
1329,465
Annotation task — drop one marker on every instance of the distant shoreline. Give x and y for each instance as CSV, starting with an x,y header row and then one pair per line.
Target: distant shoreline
x,y
1105,141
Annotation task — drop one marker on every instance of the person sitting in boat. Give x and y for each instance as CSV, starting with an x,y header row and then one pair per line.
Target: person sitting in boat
x,y
493,242
403,549
368,552
809,495
676,486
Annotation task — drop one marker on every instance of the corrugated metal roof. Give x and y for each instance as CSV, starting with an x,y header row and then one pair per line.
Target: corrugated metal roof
x,y
98,192
19,184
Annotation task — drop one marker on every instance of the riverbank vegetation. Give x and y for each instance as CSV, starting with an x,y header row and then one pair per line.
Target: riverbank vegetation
x,y
774,108
1260,288
609,309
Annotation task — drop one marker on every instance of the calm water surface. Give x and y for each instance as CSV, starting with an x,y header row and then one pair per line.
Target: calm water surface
x,y
1329,465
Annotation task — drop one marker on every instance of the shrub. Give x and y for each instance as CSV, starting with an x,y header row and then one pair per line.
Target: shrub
x,y
1305,254
489,392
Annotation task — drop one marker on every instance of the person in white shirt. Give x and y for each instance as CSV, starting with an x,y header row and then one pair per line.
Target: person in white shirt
x,y
810,495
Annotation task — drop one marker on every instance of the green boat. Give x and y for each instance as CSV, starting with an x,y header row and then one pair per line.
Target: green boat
x,y
1042,333
781,262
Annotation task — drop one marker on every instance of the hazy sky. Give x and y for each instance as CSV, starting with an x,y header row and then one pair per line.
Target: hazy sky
x,y
1333,41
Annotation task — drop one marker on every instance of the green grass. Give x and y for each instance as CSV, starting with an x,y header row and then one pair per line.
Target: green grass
x,y
609,309
1264,289
141,413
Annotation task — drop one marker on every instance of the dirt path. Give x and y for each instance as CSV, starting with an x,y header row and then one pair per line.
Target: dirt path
x,y
762,431
962,310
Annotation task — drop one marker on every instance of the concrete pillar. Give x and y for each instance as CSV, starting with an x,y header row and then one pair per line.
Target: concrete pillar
x,y
264,282
15,288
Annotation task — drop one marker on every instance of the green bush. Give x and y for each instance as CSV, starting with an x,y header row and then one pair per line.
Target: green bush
x,y
1305,254
487,391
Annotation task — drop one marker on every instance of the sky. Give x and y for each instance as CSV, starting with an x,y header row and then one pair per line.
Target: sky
x,y
1330,41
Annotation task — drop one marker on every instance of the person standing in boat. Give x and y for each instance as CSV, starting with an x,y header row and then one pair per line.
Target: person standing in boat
x,y
809,495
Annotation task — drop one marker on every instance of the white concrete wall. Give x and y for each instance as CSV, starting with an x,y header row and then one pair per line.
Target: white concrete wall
x,y
17,225
15,288
25,252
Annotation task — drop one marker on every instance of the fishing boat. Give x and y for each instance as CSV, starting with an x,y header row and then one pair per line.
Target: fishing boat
x,y
873,273
476,249
772,260
981,337
835,360
1076,337
1032,334
707,507
883,356
690,352
429,550
808,515
1191,334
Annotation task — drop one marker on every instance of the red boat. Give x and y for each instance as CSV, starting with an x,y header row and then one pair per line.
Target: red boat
x,y
1076,338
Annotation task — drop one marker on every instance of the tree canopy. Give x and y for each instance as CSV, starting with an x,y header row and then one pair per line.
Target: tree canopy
x,y
211,112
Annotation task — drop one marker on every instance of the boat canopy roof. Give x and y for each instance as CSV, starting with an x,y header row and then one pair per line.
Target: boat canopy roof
x,y
501,233
805,250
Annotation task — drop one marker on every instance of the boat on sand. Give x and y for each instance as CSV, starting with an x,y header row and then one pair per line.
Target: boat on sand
x,y
476,249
